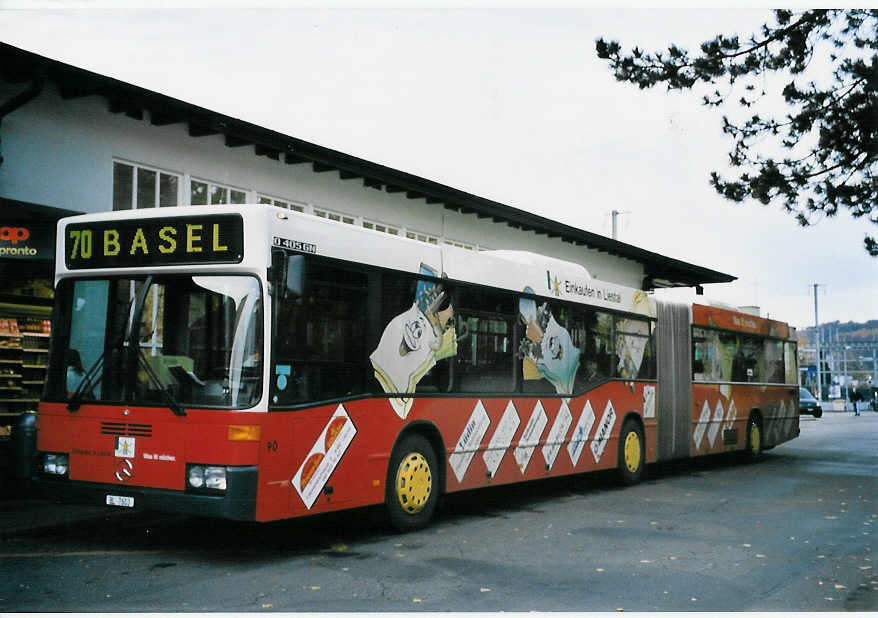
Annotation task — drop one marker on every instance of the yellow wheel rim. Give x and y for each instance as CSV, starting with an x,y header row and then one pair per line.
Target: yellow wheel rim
x,y
632,451
755,438
414,483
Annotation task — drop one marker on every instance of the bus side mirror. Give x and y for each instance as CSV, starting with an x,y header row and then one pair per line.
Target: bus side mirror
x,y
294,276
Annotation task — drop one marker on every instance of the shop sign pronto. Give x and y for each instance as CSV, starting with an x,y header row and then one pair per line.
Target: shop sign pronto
x,y
25,242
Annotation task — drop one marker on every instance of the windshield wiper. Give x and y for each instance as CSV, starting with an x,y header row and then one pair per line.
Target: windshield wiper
x,y
86,385
133,339
88,382
173,404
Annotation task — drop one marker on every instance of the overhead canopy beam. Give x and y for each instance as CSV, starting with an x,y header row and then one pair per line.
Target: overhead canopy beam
x,y
75,90
200,131
264,151
232,141
291,159
162,118
124,107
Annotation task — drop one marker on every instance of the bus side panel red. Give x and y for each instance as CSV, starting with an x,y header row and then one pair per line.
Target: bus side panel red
x,y
497,440
275,460
339,453
333,455
720,413
323,459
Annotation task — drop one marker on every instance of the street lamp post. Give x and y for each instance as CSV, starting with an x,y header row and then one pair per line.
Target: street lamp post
x,y
847,394
817,332
615,214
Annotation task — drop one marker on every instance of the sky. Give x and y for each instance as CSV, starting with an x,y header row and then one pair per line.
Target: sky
x,y
509,103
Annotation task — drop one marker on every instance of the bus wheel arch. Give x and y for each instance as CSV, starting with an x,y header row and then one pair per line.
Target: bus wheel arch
x,y
631,451
754,437
415,477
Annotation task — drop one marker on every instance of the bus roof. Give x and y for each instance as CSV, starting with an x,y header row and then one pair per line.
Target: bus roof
x,y
166,234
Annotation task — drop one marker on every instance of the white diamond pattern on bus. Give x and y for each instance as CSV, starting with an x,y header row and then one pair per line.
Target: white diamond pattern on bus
x,y
701,426
469,441
602,433
501,439
530,437
731,416
791,420
713,430
580,433
780,419
773,425
557,434
649,401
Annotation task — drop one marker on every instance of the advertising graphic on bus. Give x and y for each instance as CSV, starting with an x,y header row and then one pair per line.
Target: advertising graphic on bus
x,y
258,364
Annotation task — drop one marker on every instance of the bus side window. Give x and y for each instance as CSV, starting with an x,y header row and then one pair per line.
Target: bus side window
x,y
485,350
773,359
791,371
603,349
549,350
414,338
704,355
749,360
320,343
633,348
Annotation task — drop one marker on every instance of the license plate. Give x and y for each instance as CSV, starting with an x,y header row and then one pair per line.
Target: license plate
x,y
127,501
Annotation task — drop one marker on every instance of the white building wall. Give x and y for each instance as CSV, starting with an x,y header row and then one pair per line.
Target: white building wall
x,y
60,153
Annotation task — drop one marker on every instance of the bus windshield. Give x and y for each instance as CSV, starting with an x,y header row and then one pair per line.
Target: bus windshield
x,y
169,340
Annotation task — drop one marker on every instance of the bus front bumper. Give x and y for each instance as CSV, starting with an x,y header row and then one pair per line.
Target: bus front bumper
x,y
238,502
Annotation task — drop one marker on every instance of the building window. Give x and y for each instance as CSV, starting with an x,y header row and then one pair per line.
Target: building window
x,y
421,237
204,193
137,186
461,245
334,216
380,227
281,203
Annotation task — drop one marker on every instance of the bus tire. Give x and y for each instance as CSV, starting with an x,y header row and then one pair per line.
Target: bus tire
x,y
412,483
754,439
631,452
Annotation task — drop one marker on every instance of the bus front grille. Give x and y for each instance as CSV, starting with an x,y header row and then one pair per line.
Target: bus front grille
x,y
126,429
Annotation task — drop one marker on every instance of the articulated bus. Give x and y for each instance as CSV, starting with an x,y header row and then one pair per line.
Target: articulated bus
x,y
254,363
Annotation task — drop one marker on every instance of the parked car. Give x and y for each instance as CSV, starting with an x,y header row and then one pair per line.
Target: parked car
x,y
808,404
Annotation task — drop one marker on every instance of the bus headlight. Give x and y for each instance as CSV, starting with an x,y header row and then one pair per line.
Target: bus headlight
x,y
196,477
215,478
211,478
56,463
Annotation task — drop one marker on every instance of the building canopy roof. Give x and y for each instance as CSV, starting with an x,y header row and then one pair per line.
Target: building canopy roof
x,y
18,66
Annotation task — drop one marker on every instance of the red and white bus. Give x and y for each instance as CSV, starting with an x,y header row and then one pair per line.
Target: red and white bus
x,y
254,363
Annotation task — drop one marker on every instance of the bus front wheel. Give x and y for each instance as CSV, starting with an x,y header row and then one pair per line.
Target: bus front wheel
x,y
631,453
412,483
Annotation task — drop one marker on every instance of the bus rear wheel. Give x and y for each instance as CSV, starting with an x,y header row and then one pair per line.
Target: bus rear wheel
x,y
412,484
754,439
631,453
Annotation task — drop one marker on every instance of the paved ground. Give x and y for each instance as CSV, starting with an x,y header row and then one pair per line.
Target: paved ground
x,y
793,532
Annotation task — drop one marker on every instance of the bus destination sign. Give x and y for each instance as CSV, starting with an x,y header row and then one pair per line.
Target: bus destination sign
x,y
160,241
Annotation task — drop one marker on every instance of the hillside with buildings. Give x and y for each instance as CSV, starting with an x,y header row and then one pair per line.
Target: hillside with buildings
x,y
849,353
